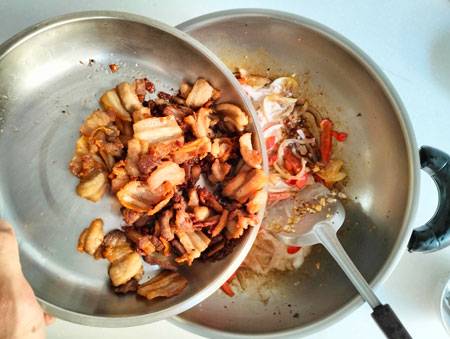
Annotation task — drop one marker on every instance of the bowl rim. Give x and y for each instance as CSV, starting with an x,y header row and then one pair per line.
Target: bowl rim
x,y
399,247
134,320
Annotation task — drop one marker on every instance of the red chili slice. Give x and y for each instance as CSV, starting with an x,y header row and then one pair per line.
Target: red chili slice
x,y
300,183
226,288
340,136
293,249
292,163
270,142
273,159
230,279
325,139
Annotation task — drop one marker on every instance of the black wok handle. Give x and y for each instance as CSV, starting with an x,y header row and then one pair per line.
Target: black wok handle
x,y
435,234
389,323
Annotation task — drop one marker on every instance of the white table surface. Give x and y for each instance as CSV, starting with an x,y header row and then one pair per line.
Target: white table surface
x,y
410,40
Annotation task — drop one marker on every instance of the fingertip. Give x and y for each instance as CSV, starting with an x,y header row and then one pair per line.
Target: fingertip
x,y
7,236
48,319
5,226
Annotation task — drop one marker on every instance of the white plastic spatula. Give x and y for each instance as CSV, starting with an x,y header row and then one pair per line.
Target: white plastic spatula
x,y
321,227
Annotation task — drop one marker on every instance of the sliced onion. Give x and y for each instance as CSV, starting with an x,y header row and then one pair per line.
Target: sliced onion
x,y
256,94
303,139
301,134
276,106
275,130
277,184
270,125
279,164
285,86
283,173
307,141
283,145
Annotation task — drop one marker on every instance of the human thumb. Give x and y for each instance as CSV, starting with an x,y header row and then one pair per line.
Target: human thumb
x,y
9,251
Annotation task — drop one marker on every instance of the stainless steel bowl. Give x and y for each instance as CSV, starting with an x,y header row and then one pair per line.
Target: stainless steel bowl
x,y
380,157
47,87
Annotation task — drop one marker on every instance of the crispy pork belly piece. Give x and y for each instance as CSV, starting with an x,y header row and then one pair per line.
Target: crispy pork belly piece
x,y
119,176
126,130
182,219
219,170
130,216
185,89
149,161
178,248
201,213
128,96
194,243
166,171
157,129
103,135
222,148
95,120
166,246
237,223
234,115
166,284
206,223
200,93
257,201
236,182
143,220
177,111
125,268
112,254
164,262
110,101
105,140
115,238
137,196
251,156
208,199
93,188
85,165
115,246
215,231
166,228
163,150
140,88
129,287
143,242
192,172
141,114
91,238
193,199
245,184
136,148
199,122
82,145
196,149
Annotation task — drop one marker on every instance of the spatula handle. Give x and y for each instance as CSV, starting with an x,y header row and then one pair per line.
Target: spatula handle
x,y
382,314
327,236
389,323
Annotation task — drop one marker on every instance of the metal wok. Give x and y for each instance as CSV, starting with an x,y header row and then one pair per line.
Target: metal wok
x,y
381,158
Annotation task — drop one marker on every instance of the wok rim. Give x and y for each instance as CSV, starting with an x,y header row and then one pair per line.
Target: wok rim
x,y
135,320
391,94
